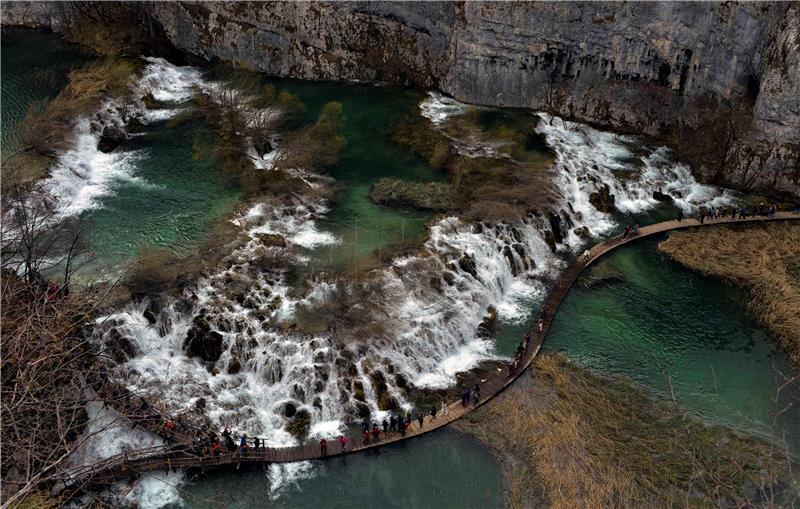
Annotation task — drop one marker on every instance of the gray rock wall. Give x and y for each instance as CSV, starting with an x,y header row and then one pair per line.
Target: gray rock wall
x,y
724,72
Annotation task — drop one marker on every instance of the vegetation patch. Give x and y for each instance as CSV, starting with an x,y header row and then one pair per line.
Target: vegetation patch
x,y
497,171
571,439
421,195
764,259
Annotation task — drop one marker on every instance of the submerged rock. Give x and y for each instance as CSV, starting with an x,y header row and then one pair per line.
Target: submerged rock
x,y
601,275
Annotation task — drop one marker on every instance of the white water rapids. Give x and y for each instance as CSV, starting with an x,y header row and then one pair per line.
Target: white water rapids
x,y
425,319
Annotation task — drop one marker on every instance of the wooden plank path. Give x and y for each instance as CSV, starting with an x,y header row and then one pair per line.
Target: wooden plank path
x,y
180,456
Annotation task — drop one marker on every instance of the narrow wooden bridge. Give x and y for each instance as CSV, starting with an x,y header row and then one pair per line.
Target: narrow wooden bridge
x,y
181,455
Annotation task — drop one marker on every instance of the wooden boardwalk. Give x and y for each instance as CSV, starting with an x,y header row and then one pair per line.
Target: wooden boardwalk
x,y
180,456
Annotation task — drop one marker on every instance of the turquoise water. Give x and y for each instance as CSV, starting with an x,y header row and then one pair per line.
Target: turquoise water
x,y
667,325
441,470
369,154
172,202
34,66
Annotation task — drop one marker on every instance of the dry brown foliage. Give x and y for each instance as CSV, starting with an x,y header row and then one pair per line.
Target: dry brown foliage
x,y
580,441
764,259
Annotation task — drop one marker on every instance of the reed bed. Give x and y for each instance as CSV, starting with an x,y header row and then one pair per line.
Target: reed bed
x,y
569,439
764,259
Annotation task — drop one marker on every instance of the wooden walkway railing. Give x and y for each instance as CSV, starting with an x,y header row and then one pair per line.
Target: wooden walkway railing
x,y
181,456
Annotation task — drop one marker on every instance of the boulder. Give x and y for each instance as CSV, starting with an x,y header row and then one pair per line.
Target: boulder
x,y
467,264
111,138
662,197
203,342
299,424
582,232
603,200
150,316
234,366
119,346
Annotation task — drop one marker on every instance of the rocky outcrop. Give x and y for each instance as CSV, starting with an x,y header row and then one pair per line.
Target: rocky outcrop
x,y
203,342
725,75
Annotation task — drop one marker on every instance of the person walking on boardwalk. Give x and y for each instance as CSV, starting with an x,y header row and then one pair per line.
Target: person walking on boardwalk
x,y
420,419
243,447
401,424
433,413
323,447
343,442
256,443
445,408
476,394
680,215
393,423
365,436
376,433
385,424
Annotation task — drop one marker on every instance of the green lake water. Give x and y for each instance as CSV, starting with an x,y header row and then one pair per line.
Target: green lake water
x,y
663,320
442,470
362,226
665,324
34,67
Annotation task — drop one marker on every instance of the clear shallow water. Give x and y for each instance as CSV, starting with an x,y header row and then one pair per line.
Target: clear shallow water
x,y
361,226
443,470
171,201
665,323
34,68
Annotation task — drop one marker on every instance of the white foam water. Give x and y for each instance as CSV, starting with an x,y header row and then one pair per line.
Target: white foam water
x,y
83,174
438,108
430,305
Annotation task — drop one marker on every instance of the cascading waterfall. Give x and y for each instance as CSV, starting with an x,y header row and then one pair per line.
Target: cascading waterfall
x,y
433,302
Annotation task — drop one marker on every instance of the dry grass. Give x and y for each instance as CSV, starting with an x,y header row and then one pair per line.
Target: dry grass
x,y
765,259
590,442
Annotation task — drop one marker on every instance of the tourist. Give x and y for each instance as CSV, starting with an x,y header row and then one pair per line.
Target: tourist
x,y
216,449
626,233
476,394
468,396
170,425
364,426
343,442
702,215
323,447
401,423
385,424
365,436
680,215
243,443
585,256
257,443
445,409
433,413
753,213
393,423
636,229
540,324
420,419
733,212
376,433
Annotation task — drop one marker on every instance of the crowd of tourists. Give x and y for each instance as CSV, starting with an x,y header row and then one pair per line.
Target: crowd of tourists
x,y
733,212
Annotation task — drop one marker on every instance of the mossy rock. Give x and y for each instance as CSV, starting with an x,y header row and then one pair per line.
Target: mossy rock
x,y
299,425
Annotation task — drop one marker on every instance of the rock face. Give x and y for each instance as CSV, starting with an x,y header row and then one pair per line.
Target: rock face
x,y
661,68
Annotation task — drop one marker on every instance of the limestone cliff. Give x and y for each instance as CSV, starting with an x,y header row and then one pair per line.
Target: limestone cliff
x,y
718,81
